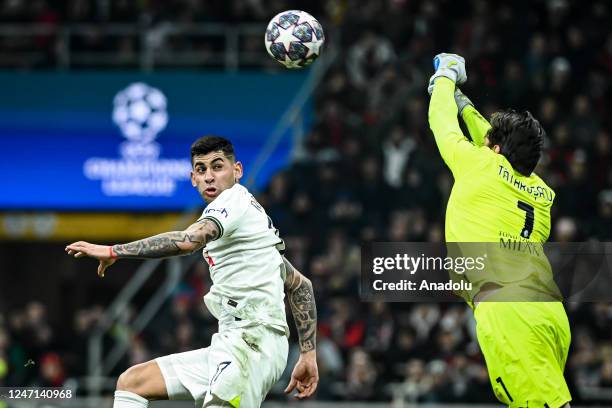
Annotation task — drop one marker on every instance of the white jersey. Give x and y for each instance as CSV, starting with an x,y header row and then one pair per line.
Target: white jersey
x,y
246,266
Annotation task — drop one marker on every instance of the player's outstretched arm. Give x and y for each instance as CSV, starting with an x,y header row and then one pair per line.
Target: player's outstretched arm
x,y
305,375
170,243
476,124
159,246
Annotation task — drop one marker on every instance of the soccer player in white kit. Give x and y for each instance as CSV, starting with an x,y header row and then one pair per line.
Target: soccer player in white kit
x,y
250,276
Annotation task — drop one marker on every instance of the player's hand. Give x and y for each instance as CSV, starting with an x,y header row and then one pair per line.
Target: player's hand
x,y
305,375
451,66
102,253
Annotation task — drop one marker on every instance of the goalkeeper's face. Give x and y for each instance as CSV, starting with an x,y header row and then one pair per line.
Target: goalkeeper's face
x,y
213,173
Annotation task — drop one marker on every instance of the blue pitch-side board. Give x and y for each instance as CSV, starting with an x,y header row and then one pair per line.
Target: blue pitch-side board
x,y
62,150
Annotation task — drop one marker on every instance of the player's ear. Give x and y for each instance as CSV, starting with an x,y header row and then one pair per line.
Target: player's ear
x,y
193,180
237,171
497,149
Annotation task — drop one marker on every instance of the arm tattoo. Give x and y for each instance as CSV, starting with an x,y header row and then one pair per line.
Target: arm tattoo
x,y
170,243
303,307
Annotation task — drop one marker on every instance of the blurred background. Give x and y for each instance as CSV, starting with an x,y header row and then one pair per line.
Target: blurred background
x,y
339,154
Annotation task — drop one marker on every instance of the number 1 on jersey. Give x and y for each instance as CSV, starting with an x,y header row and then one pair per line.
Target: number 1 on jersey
x,y
529,218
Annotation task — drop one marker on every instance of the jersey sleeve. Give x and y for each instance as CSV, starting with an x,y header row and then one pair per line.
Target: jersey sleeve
x,y
476,124
459,154
227,211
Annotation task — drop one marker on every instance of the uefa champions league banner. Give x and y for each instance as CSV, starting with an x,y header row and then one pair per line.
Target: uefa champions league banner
x,y
117,141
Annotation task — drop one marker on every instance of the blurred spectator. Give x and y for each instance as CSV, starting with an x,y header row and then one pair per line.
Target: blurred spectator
x,y
379,329
367,56
52,372
416,383
361,377
397,151
565,230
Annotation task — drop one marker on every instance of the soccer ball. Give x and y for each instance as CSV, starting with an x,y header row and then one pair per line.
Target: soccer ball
x,y
140,112
294,38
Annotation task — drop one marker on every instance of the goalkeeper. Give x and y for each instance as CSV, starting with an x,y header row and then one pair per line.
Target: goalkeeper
x,y
497,197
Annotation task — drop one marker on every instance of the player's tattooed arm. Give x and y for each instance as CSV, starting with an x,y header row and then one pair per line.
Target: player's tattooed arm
x,y
172,243
303,307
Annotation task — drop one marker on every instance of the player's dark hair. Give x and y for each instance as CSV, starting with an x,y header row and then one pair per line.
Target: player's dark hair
x,y
207,144
520,137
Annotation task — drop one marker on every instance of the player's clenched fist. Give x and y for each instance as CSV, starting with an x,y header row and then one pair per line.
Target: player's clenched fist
x,y
103,253
451,66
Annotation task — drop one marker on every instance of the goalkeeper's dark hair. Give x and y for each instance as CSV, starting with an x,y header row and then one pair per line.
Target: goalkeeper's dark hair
x,y
207,144
520,138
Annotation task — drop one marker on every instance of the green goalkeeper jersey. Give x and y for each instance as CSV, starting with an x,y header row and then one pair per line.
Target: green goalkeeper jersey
x,y
490,202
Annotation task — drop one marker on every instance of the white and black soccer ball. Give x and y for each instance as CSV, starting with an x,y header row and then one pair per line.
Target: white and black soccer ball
x,y
294,38
140,112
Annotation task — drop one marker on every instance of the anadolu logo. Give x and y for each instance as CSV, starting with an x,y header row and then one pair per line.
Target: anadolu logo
x,y
140,113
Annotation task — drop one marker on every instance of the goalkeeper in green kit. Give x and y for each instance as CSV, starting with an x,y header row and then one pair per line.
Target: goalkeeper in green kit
x,y
497,198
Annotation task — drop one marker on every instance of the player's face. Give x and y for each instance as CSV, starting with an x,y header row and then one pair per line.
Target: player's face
x,y
213,173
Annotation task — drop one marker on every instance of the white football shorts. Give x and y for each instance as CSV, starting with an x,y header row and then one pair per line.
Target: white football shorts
x,y
237,370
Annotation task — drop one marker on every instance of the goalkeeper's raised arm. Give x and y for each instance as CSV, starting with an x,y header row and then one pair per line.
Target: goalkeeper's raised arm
x,y
446,102
476,124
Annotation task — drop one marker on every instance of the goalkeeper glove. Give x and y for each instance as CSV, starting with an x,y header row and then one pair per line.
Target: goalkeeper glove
x,y
451,66
461,100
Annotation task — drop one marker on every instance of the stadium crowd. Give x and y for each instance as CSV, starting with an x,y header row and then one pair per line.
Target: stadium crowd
x,y
369,170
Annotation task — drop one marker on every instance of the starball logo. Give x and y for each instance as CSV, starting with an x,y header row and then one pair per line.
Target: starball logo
x,y
140,113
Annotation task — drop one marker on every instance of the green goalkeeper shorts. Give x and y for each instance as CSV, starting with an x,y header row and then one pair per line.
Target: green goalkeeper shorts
x,y
525,345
